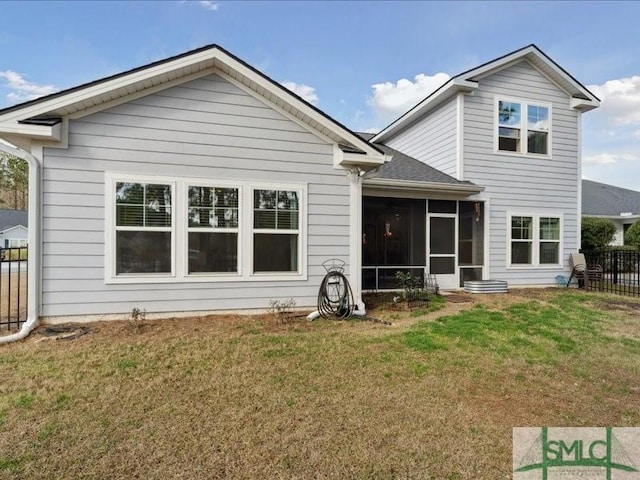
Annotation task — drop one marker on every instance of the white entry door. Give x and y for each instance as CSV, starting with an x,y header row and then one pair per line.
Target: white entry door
x,y
442,249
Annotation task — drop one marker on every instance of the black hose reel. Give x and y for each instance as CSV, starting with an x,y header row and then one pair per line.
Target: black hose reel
x,y
335,297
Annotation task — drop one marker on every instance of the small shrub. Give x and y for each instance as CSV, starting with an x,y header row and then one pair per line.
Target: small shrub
x,y
282,310
137,318
413,291
632,235
597,233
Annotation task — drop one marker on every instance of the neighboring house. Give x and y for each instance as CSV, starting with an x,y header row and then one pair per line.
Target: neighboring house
x,y
620,205
13,228
197,183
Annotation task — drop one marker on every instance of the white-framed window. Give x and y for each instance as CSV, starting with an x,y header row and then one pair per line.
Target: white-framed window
x,y
144,227
162,229
534,240
523,127
276,230
15,243
213,214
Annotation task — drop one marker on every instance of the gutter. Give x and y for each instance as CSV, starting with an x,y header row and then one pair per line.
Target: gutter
x,y
413,185
33,270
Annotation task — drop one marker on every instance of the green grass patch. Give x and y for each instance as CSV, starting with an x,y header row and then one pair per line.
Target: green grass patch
x,y
10,465
436,302
126,365
532,330
24,400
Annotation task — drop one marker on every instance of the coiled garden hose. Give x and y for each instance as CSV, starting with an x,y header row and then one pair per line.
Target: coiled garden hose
x,y
335,297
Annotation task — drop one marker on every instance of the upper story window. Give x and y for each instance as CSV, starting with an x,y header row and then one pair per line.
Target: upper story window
x,y
523,127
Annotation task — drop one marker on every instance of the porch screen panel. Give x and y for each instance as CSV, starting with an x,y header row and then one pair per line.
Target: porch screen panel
x,y
394,236
443,233
471,233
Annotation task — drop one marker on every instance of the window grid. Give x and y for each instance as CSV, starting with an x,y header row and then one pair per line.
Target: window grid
x,y
525,137
543,234
213,247
176,245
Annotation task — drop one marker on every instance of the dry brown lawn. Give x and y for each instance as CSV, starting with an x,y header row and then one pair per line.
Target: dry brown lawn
x,y
430,397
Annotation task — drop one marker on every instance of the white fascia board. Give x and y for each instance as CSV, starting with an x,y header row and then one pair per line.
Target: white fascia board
x,y
501,63
526,53
358,159
424,186
584,105
109,86
41,132
207,59
15,227
453,86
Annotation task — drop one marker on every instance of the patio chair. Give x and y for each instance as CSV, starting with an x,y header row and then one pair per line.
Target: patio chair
x,y
583,272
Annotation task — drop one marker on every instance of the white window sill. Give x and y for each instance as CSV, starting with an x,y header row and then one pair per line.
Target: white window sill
x,y
505,153
280,277
534,267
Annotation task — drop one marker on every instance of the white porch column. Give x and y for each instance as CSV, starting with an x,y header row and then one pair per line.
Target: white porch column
x,y
355,235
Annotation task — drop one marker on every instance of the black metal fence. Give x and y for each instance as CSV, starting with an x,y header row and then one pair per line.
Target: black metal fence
x,y
13,288
620,271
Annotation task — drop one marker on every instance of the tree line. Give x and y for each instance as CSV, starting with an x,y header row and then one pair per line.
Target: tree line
x,y
14,182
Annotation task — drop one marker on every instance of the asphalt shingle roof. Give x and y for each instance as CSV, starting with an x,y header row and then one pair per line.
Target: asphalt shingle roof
x,y
11,218
404,167
602,199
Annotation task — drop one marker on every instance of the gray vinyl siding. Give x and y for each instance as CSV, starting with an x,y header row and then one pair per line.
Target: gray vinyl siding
x,y
209,129
523,183
432,139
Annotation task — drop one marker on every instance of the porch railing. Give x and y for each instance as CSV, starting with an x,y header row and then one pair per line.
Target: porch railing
x,y
384,278
13,288
620,271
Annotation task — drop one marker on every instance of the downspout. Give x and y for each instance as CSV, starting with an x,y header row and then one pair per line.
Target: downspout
x,y
33,270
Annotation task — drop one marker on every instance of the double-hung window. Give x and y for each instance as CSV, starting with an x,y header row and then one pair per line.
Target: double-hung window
x,y
521,240
535,240
523,127
144,224
213,214
161,229
549,234
276,230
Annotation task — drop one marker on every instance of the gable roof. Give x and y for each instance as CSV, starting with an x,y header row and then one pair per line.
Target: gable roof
x,y
11,218
40,118
581,98
601,199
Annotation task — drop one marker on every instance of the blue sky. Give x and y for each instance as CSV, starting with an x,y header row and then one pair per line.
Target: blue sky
x,y
361,62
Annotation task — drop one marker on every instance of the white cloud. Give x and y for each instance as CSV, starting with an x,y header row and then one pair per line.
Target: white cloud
x,y
22,90
305,91
620,100
371,130
609,158
390,100
209,5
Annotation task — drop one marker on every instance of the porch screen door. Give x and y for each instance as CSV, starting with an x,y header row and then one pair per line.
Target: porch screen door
x,y
442,249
